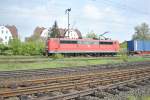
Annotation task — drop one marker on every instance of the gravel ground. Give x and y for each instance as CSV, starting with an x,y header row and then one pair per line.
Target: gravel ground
x,y
31,74
140,91
137,93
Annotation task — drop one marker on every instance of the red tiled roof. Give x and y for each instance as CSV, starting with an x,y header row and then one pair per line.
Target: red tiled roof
x,y
13,30
38,31
79,33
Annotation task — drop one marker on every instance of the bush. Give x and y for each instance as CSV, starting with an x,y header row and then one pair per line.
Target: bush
x,y
123,55
33,48
16,47
5,50
57,56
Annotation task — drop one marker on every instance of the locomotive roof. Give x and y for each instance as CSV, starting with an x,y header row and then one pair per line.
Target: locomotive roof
x,y
85,39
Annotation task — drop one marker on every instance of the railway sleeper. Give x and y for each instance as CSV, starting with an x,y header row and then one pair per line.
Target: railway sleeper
x,y
10,98
88,98
40,94
123,88
24,97
147,81
55,93
13,86
141,83
70,91
99,94
108,82
30,83
131,85
112,91
106,91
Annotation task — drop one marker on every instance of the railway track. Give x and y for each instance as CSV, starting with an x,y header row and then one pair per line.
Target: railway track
x,y
4,60
62,71
91,81
86,92
70,77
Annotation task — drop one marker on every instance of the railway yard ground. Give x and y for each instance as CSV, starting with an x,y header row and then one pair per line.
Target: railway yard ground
x,y
101,78
10,63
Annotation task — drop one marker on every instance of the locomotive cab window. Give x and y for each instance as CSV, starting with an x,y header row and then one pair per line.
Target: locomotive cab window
x,y
106,43
68,42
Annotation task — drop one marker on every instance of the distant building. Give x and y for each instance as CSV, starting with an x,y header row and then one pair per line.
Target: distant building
x,y
73,34
42,33
7,32
38,33
13,30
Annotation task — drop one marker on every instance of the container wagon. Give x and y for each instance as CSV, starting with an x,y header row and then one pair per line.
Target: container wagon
x,y
140,47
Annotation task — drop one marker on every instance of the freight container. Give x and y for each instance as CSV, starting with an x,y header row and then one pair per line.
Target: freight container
x,y
138,46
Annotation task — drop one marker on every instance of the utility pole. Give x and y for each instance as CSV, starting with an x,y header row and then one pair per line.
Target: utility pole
x,y
67,12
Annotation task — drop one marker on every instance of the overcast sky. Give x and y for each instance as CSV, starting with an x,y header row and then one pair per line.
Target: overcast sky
x,y
119,17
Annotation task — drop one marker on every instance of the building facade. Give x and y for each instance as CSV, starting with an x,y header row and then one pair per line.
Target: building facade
x,y
42,33
72,34
5,35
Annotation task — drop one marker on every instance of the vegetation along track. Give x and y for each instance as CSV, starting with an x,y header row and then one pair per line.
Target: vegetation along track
x,y
61,71
4,60
83,84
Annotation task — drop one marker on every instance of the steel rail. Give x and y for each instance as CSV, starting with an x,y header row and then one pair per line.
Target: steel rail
x,y
53,71
70,85
86,92
73,77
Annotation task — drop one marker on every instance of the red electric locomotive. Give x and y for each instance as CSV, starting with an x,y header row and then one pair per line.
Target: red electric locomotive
x,y
82,46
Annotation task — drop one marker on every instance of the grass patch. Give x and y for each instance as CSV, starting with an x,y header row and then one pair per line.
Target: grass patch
x,y
65,62
139,98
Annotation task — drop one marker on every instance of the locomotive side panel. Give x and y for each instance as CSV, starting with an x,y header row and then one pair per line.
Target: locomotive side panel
x,y
82,46
53,45
87,46
67,46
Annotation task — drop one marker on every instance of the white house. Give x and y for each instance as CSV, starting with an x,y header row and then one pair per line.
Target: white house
x,y
44,33
72,34
5,35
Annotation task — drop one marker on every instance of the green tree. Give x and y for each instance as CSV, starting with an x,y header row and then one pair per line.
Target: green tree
x,y
123,45
16,46
91,35
5,50
54,32
142,32
2,48
33,48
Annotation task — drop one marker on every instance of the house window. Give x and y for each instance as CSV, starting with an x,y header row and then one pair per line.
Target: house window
x,y
2,31
5,37
9,37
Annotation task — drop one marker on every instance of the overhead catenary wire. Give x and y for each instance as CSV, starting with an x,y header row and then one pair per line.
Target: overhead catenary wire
x,y
124,7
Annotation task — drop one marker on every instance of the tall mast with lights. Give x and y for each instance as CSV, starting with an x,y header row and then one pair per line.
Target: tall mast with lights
x,y
68,12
